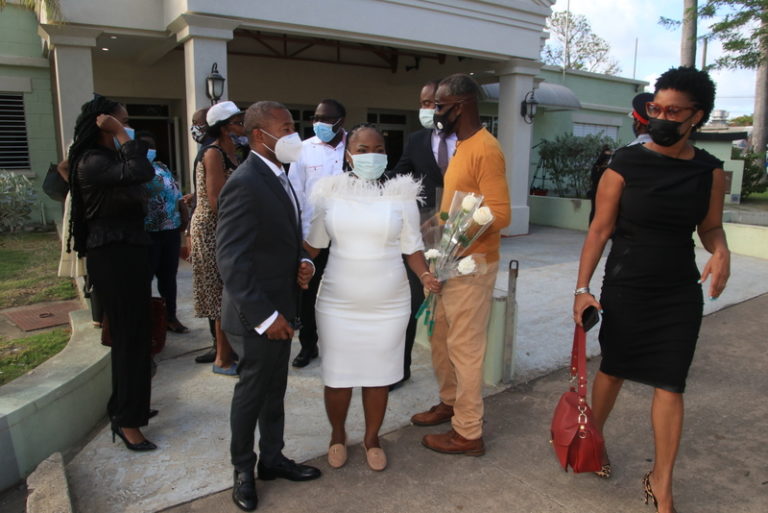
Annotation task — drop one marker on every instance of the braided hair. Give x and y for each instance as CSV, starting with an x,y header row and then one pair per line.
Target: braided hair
x,y
86,137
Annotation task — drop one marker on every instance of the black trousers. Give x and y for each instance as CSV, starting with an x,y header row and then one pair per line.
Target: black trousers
x,y
308,332
120,274
258,399
164,265
417,297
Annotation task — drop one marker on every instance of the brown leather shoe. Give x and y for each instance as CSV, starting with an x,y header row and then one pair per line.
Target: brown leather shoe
x,y
453,443
436,415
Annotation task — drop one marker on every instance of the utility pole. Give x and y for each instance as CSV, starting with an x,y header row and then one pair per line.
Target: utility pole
x,y
688,42
760,116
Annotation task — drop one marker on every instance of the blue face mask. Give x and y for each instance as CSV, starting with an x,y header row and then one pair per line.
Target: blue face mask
x,y
131,134
324,131
369,166
151,154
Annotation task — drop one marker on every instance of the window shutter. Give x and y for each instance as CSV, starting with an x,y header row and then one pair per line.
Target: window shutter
x,y
14,148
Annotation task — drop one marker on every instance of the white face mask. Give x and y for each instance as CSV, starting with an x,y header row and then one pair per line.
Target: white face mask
x,y
287,149
369,166
427,118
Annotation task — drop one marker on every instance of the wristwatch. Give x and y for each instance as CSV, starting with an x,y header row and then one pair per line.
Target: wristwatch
x,y
581,290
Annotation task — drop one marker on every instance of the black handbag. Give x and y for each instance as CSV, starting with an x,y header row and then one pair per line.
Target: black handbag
x,y
54,186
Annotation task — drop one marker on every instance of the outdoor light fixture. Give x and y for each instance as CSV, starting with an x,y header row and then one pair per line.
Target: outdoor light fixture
x,y
214,84
528,107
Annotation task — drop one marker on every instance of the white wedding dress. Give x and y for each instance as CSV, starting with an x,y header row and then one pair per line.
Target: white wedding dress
x,y
364,300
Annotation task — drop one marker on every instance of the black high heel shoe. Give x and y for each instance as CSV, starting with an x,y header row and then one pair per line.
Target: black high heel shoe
x,y
146,445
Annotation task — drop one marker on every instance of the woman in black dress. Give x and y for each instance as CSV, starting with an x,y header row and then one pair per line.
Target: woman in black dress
x,y
107,173
649,201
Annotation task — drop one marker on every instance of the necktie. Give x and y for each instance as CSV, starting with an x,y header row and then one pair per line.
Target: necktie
x,y
442,153
284,182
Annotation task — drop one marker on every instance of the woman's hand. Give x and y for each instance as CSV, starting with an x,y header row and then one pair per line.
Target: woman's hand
x,y
109,124
719,268
431,283
580,303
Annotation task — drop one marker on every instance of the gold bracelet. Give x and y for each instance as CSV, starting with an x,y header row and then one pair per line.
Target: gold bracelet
x,y
421,276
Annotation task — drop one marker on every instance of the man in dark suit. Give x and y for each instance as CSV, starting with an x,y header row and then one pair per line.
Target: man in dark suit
x,y
263,267
426,156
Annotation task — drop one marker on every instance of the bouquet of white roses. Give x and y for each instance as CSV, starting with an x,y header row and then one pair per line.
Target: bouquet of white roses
x,y
462,225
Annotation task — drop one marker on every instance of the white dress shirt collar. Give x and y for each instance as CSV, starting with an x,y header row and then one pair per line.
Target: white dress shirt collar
x,y
275,169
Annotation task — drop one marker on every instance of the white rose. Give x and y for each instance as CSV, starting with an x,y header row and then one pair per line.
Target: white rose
x,y
467,265
432,254
468,203
482,216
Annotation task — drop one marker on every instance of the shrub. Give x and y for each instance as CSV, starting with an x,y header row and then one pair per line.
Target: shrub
x,y
568,159
754,179
17,197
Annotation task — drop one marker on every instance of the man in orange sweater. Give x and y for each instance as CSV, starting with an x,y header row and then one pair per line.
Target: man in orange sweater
x,y
461,317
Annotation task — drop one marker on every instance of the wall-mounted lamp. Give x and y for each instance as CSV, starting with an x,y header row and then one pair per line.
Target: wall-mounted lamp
x,y
528,107
214,84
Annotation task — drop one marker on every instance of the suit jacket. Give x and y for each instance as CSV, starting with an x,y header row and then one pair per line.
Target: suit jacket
x,y
258,248
419,161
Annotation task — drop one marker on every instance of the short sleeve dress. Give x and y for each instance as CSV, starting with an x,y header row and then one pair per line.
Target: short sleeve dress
x,y
652,301
364,301
206,280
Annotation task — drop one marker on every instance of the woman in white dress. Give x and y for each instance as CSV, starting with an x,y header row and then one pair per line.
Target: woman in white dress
x,y
363,304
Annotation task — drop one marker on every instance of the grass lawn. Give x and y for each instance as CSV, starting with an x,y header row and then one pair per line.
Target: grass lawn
x,y
20,355
28,265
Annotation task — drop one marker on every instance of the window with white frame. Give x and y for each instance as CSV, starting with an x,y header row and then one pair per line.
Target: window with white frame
x,y
14,148
582,129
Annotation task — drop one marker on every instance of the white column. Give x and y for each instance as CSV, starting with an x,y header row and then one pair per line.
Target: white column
x,y
205,43
515,80
72,75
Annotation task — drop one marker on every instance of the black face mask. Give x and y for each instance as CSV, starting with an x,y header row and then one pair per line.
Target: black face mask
x,y
665,132
442,122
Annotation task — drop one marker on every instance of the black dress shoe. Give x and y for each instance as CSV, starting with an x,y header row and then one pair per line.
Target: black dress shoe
x,y
152,413
244,491
208,357
288,469
304,357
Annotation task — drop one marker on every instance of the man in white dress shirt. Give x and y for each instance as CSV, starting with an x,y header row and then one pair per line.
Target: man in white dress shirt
x,y
321,156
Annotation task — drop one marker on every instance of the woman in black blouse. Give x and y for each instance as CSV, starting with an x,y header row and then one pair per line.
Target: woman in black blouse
x,y
108,169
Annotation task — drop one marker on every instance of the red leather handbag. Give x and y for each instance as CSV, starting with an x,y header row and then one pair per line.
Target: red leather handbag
x,y
576,440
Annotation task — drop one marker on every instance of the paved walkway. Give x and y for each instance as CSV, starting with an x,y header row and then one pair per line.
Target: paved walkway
x,y
192,429
721,467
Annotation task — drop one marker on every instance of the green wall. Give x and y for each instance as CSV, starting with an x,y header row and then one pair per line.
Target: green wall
x,y
21,57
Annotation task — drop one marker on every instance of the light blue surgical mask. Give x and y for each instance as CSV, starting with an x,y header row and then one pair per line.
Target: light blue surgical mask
x,y
131,134
427,118
369,166
324,131
151,154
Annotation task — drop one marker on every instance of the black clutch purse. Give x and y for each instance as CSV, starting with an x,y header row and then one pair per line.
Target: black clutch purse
x,y
54,186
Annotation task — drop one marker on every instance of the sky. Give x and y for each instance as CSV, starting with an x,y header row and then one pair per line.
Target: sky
x,y
621,21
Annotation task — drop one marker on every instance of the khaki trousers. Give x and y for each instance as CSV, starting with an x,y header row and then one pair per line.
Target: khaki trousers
x,y
458,347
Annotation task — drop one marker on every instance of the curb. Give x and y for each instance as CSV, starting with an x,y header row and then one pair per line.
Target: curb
x,y
48,487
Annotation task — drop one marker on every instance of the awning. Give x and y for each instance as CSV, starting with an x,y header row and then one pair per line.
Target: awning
x,y
549,96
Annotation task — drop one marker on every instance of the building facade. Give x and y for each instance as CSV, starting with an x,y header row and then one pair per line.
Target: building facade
x,y
372,55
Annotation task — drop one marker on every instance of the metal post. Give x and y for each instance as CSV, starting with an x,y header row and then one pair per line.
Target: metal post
x,y
510,327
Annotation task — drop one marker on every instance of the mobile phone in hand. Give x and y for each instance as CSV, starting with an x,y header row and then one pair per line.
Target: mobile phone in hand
x,y
589,317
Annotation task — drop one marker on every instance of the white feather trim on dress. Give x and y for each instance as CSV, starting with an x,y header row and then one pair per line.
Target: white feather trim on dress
x,y
402,187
